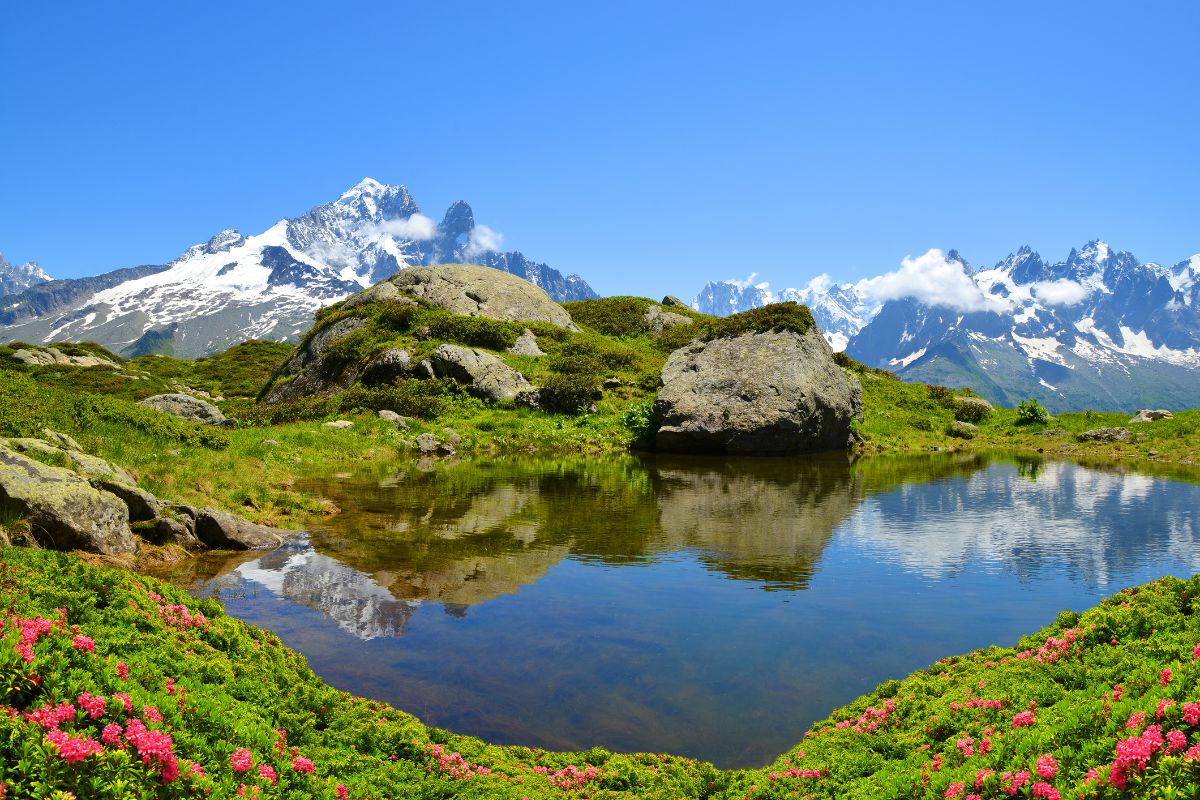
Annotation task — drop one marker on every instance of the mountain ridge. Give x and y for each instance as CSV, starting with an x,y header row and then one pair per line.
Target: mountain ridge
x,y
1099,327
234,287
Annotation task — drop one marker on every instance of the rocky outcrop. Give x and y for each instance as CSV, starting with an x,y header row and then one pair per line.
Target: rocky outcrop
x,y
773,392
962,430
65,512
1150,415
484,374
186,407
1105,435
52,356
89,465
658,320
302,375
399,421
472,291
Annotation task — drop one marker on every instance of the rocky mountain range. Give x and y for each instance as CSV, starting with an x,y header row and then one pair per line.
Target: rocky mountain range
x,y
265,286
1100,329
16,278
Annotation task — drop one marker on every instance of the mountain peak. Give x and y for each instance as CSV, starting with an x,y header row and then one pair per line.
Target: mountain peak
x,y
458,221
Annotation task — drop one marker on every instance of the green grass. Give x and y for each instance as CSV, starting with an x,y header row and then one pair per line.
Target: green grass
x,y
211,686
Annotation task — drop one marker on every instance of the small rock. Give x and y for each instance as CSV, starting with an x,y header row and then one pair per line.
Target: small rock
x,y
391,416
62,440
452,437
962,430
341,476
526,345
424,370
612,383
658,319
271,443
484,374
172,531
187,408
142,505
1105,435
671,301
341,424
427,443
220,530
386,367
1052,432
1151,415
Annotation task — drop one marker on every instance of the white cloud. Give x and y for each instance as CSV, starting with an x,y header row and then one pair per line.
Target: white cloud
x,y
932,280
484,240
418,227
1063,292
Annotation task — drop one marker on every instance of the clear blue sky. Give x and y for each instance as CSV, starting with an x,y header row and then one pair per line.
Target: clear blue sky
x,y
647,146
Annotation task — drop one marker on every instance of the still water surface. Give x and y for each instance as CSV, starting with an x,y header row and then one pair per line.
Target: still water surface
x,y
704,607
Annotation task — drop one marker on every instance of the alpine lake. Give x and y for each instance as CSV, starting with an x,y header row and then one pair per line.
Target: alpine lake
x,y
706,607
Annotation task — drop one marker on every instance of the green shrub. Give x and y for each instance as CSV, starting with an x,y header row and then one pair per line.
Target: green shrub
x,y
568,394
492,334
1031,411
611,316
789,316
639,420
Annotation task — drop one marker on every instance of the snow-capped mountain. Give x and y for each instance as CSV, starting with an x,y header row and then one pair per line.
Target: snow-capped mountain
x,y
15,278
841,310
1100,329
234,287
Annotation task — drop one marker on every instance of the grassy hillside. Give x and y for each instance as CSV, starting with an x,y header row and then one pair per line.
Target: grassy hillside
x,y
116,686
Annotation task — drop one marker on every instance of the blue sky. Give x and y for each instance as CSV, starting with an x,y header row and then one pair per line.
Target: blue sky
x,y
649,147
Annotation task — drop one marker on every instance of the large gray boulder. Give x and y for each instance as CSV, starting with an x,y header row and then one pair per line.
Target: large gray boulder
x,y
472,291
658,320
52,356
223,531
758,393
1106,435
88,465
65,511
1150,415
484,374
186,407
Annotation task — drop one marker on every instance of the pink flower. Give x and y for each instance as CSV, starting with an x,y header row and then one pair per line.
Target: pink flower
x,y
1046,791
84,644
1164,677
94,706
1118,692
151,713
268,772
1176,741
1024,719
302,765
111,735
1135,721
125,701
73,749
954,790
1191,713
1047,767
241,760
122,671
1196,652
342,792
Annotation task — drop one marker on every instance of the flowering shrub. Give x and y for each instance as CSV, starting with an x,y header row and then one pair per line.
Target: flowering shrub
x,y
170,698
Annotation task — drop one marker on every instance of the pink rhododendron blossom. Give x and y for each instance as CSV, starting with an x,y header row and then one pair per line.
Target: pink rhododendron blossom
x,y
73,749
111,735
1164,677
1047,767
122,671
84,644
1024,719
302,765
241,760
1176,741
268,772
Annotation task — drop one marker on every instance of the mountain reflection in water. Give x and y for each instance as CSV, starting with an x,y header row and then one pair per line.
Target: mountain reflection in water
x,y
709,607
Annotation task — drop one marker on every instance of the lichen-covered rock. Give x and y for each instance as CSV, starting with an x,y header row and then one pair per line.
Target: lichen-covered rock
x,y
302,375
772,392
484,374
186,407
1150,415
89,465
474,291
65,511
62,440
50,356
340,424
671,301
220,530
1105,435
